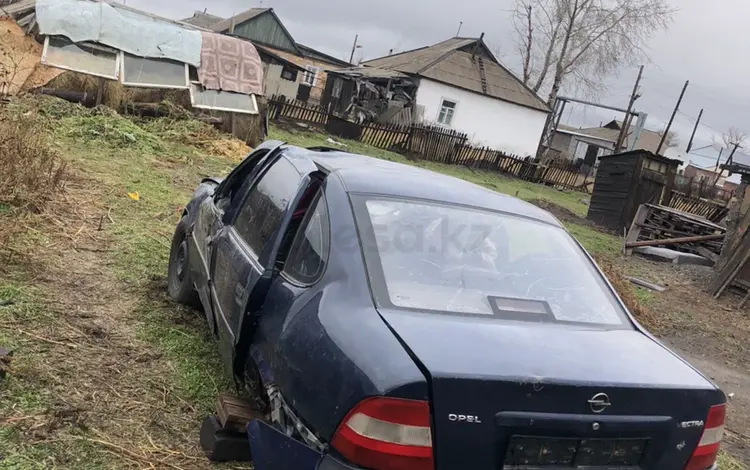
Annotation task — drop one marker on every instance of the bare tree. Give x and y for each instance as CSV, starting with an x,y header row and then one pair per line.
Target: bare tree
x,y
734,136
584,39
672,140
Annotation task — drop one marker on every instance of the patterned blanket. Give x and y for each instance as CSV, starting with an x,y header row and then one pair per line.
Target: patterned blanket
x,y
230,64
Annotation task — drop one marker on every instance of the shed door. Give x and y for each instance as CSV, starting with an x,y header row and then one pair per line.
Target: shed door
x,y
649,191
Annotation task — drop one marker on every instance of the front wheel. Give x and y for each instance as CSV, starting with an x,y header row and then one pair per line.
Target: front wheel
x,y
180,283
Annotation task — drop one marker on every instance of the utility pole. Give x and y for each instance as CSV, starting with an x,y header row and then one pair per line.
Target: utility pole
x,y
690,144
736,146
671,120
626,121
354,48
460,23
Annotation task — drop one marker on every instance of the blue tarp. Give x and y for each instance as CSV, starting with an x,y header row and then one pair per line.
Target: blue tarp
x,y
129,31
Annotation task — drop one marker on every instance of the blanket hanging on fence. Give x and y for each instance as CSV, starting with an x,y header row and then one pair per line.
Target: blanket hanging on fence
x,y
230,64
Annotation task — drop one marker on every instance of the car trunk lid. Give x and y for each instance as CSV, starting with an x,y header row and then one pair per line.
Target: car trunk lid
x,y
533,395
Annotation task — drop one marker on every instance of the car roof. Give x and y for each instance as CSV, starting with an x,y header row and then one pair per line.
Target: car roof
x,y
363,174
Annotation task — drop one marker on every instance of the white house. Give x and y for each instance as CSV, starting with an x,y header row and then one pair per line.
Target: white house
x,y
463,86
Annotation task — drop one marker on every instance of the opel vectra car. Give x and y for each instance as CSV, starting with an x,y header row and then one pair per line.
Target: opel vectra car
x,y
391,318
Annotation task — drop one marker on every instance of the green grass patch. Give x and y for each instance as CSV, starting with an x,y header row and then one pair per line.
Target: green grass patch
x,y
644,296
164,179
69,453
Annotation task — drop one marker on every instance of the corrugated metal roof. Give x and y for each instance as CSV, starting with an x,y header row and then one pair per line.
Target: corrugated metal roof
x,y
203,20
451,62
238,19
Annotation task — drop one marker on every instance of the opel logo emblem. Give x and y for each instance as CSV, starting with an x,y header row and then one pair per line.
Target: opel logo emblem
x,y
599,402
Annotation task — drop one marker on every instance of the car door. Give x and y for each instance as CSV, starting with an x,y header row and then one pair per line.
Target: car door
x,y
285,327
211,213
244,249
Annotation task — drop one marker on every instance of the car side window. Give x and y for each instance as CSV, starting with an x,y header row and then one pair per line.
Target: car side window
x,y
262,211
308,254
237,178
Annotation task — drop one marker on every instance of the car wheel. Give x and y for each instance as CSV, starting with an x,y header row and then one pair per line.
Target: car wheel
x,y
180,283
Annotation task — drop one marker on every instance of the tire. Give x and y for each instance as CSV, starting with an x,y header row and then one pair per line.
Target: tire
x,y
179,280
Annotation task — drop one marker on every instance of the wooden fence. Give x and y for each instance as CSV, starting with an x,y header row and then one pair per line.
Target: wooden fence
x,y
384,136
710,210
703,188
437,144
280,106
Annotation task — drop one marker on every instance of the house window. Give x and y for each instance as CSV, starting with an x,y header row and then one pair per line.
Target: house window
x,y
85,57
153,73
447,110
222,100
311,75
289,74
336,89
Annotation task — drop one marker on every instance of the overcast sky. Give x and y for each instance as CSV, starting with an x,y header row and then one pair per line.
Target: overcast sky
x,y
705,44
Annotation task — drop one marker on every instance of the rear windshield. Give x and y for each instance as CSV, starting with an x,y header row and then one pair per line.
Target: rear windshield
x,y
452,259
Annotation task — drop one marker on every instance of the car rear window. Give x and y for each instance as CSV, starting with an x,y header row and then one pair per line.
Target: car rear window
x,y
452,259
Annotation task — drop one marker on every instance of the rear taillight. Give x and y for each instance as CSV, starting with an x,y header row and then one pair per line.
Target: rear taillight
x,y
387,434
705,454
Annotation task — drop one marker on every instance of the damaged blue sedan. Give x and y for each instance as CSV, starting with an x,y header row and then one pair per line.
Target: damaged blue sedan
x,y
391,318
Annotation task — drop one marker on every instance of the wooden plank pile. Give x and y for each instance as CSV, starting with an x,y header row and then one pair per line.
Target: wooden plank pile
x,y
712,211
656,225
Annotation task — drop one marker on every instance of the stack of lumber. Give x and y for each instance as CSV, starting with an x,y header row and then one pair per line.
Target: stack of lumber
x,y
736,271
656,225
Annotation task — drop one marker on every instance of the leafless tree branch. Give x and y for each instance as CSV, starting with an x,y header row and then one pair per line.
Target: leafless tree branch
x,y
585,39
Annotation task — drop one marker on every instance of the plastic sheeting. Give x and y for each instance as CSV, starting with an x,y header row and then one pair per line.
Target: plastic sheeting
x,y
137,34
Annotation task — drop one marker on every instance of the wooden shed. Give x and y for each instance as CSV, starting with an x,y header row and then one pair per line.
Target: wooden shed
x,y
626,180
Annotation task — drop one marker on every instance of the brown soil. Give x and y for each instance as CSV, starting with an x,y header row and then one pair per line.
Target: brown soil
x,y
109,389
563,214
713,335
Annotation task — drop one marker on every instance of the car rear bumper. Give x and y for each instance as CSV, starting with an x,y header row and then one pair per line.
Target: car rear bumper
x,y
272,450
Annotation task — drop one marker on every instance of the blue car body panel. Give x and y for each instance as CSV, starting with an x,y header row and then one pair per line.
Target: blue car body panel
x,y
326,346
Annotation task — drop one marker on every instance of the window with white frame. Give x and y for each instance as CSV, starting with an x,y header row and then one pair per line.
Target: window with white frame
x,y
310,76
153,73
447,111
84,57
217,100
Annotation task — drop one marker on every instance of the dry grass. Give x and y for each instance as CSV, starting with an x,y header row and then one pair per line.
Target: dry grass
x,y
31,170
108,373
629,295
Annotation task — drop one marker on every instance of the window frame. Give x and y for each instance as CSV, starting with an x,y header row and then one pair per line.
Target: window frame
x,y
123,58
291,71
285,273
245,196
440,111
219,108
311,70
117,53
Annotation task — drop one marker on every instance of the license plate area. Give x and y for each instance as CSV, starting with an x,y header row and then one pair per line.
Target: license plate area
x,y
532,452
